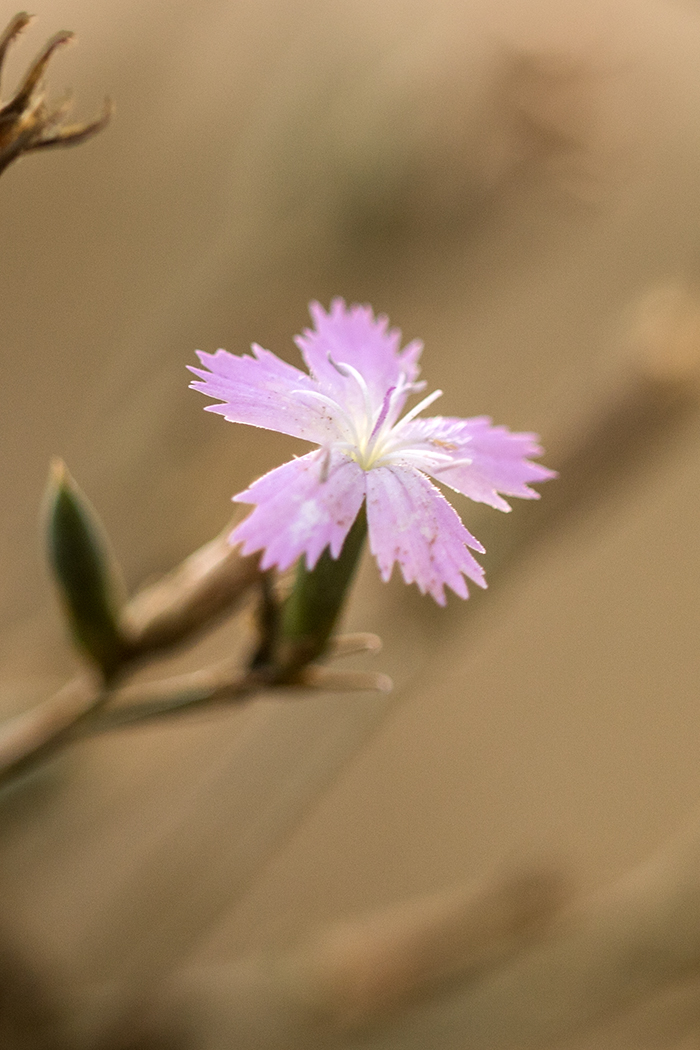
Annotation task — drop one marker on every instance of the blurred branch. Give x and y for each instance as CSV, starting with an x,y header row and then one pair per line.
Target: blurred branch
x,y
352,976
502,965
34,734
657,395
32,1012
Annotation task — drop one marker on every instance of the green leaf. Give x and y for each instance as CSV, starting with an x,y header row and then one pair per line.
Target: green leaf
x,y
88,577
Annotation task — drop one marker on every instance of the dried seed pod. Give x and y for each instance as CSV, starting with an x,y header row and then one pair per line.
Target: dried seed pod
x,y
26,121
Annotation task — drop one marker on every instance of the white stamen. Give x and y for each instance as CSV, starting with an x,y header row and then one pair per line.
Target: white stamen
x,y
418,408
348,372
437,460
375,438
381,431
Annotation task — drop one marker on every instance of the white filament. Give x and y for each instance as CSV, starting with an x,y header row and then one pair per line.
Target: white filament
x,y
371,443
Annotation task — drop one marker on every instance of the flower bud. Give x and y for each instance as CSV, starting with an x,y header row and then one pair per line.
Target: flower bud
x,y
87,574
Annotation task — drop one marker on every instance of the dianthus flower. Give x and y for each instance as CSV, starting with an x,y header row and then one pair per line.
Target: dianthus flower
x,y
350,405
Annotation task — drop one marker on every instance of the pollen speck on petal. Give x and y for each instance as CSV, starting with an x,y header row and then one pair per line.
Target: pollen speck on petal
x,y
411,522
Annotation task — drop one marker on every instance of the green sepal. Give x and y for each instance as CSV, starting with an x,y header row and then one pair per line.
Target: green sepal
x,y
316,600
88,577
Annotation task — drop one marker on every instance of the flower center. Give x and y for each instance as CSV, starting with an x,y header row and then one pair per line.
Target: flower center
x,y
377,434
376,437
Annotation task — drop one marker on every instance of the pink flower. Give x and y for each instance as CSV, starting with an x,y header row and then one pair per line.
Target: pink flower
x,y
350,405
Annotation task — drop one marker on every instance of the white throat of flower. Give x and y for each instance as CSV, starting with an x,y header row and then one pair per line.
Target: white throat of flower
x,y
376,437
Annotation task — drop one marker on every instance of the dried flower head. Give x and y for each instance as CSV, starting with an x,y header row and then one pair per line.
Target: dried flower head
x,y
26,121
351,404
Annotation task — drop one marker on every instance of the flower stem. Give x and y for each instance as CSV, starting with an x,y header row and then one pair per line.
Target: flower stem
x,y
311,610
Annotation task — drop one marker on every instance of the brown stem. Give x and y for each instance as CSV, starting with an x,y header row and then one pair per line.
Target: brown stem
x,y
201,589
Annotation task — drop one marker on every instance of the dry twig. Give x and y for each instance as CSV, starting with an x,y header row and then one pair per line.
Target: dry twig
x,y
26,121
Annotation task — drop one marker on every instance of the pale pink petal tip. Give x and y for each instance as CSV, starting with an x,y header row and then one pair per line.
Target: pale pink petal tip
x,y
491,461
301,507
262,391
411,522
354,336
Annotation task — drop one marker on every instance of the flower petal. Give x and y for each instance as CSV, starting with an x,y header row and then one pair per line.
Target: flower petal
x,y
352,335
302,507
411,522
498,458
263,391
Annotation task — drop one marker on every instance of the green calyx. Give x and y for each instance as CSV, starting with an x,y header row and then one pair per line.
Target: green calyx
x,y
309,614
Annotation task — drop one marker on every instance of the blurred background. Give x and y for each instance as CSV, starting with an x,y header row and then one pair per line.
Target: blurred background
x,y
507,181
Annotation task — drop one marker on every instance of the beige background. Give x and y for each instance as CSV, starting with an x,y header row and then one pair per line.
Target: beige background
x,y
505,181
